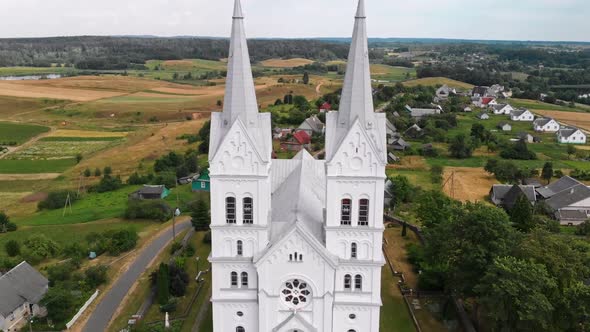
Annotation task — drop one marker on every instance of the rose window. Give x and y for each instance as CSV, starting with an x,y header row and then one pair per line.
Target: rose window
x,y
296,293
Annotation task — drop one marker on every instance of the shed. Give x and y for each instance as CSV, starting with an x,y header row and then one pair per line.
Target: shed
x,y
202,183
504,126
151,192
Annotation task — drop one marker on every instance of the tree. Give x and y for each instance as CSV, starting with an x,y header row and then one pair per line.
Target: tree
x,y
547,172
79,158
571,150
521,214
401,189
163,284
107,170
97,172
87,173
12,248
200,214
583,229
478,132
96,275
305,78
219,103
435,207
459,147
515,294
5,224
60,304
404,229
41,246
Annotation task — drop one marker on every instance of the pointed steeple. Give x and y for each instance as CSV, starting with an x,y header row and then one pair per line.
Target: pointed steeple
x,y
240,96
357,94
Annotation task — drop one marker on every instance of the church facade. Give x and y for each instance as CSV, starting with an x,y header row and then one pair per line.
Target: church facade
x,y
297,244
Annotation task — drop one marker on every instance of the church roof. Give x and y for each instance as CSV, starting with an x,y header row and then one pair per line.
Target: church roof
x,y
298,194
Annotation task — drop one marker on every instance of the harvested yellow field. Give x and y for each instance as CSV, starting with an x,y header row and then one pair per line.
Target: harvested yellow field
x,y
84,133
286,63
581,120
433,81
105,82
468,183
19,89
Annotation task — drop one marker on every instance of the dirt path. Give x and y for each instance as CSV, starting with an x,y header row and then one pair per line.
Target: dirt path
x,y
318,88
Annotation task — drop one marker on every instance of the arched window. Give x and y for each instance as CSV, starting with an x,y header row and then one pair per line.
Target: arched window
x,y
248,205
240,248
240,329
345,211
230,210
364,212
234,279
353,250
358,282
244,279
347,281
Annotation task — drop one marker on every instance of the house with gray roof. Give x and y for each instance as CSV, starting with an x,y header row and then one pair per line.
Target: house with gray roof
x,y
572,204
418,113
504,126
505,195
21,290
522,115
502,109
571,135
547,125
483,116
558,186
312,125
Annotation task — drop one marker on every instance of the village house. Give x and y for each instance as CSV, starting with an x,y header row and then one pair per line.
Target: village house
x,y
558,186
390,129
571,135
392,158
526,137
325,107
522,115
21,290
418,113
300,140
480,91
202,183
150,192
502,109
483,116
444,92
546,125
484,101
399,144
504,126
414,132
312,125
467,109
505,195
571,206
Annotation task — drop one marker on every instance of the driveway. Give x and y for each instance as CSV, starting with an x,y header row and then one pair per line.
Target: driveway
x,y
102,315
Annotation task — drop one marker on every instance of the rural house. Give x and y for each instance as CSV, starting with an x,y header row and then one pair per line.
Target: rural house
x,y
312,125
502,109
571,135
522,115
444,92
202,183
390,129
467,109
418,113
480,91
400,145
558,186
392,159
21,290
150,192
546,125
505,195
325,107
414,131
504,126
483,116
526,137
300,140
572,205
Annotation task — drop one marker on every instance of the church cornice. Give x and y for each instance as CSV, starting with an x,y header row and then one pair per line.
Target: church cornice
x,y
365,263
238,228
351,230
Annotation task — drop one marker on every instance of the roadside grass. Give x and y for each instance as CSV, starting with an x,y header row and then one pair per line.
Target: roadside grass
x,y
80,139
539,105
394,313
73,233
434,81
19,133
93,206
9,166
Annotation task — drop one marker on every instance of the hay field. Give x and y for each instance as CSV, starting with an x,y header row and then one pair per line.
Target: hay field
x,y
85,133
286,63
433,81
470,184
581,120
24,89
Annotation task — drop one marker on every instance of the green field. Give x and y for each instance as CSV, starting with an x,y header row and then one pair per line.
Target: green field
x,y
8,166
24,71
53,149
539,105
80,139
19,133
391,74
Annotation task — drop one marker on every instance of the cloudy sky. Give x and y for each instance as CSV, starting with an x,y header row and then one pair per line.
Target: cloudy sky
x,y
482,19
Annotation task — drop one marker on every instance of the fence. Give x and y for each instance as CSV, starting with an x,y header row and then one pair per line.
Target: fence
x,y
81,311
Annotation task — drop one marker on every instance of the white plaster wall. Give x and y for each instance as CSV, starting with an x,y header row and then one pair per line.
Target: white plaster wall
x,y
226,318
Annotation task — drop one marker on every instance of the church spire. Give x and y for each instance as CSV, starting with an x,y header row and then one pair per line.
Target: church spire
x,y
357,93
240,96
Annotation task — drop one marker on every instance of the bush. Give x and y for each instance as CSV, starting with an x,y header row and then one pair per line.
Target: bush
x,y
169,307
519,151
41,246
108,183
175,246
5,224
96,276
57,200
583,229
189,251
148,209
122,241
207,238
12,248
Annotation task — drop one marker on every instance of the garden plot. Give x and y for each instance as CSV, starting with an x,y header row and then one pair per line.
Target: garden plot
x,y
66,149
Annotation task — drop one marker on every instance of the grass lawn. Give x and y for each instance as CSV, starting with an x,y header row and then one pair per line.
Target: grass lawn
x,y
394,313
35,166
390,73
67,234
91,207
80,139
419,178
434,81
539,105
19,133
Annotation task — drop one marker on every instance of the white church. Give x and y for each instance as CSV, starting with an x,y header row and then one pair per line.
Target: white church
x,y
297,244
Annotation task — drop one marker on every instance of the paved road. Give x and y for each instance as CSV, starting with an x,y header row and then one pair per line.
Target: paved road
x,y
100,318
